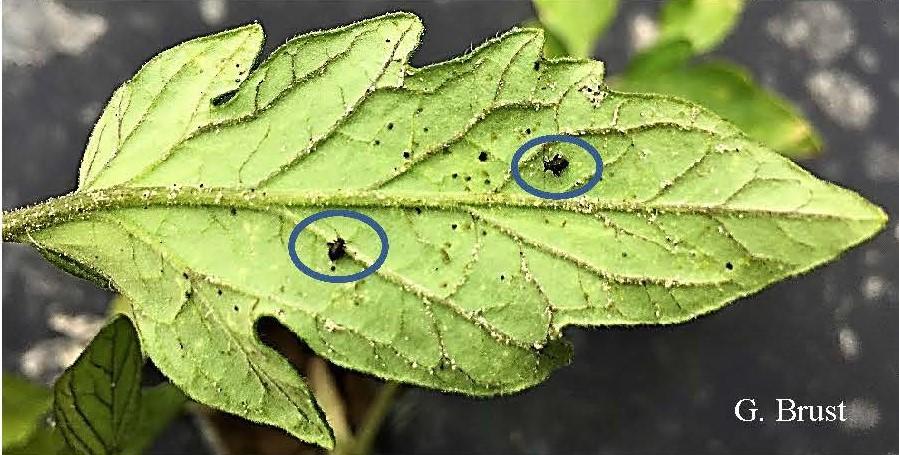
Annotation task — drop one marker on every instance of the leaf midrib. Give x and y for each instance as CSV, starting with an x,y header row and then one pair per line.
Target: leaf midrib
x,y
81,204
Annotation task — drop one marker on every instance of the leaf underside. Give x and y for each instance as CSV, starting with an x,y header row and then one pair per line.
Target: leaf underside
x,y
480,277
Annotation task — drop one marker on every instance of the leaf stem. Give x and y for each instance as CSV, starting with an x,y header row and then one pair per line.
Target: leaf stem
x,y
380,408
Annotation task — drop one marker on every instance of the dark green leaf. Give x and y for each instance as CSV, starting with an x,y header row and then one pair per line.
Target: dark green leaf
x,y
97,400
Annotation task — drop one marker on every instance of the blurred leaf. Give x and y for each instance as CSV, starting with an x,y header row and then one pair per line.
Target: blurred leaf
x,y
45,441
24,406
576,24
159,405
727,89
704,23
662,58
552,47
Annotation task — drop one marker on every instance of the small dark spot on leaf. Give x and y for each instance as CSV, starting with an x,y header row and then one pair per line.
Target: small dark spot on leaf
x,y
623,254
425,129
467,178
377,142
455,175
486,181
482,156
527,131
333,268
729,266
185,276
387,40
502,277
201,185
556,164
390,126
536,66
406,155
483,232
188,294
418,210
233,211
218,291
236,308
454,226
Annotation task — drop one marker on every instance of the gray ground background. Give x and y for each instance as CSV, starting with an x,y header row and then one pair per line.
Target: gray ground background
x,y
822,338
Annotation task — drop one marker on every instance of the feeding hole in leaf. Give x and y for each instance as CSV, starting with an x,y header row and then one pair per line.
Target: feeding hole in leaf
x,y
224,97
557,164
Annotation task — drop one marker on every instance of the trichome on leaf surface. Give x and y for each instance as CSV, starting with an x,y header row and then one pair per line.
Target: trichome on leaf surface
x,y
186,199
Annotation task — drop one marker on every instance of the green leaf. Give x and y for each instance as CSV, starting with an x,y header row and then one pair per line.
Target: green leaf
x,y
726,89
97,400
704,23
45,440
24,406
480,278
159,406
577,24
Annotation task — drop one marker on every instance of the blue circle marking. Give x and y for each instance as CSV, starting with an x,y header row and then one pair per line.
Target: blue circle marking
x,y
516,172
291,245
